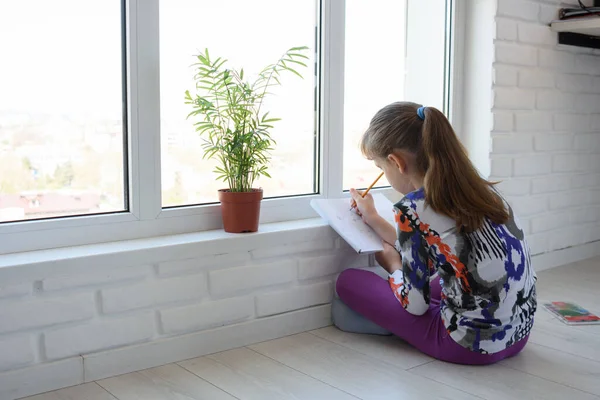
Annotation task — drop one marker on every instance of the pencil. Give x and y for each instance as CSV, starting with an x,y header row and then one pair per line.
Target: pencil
x,y
369,188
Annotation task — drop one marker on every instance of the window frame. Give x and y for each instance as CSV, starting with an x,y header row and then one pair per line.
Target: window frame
x,y
146,217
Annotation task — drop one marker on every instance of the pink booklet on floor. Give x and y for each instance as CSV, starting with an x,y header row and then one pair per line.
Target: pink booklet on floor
x,y
572,314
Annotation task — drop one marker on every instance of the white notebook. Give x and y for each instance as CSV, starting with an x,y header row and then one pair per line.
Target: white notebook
x,y
350,226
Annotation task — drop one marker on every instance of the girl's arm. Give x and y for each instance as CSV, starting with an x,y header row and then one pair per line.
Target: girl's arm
x,y
411,284
384,229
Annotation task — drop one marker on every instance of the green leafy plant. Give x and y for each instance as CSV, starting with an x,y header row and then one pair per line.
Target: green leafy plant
x,y
230,120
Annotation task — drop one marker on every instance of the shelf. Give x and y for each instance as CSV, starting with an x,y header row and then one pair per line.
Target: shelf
x,y
584,26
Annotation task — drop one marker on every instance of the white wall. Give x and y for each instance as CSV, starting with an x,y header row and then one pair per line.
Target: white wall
x,y
99,314
546,127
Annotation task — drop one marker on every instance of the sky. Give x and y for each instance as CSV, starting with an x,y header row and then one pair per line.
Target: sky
x,y
61,56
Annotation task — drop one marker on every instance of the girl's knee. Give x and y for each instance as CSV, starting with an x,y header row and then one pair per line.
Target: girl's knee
x,y
345,281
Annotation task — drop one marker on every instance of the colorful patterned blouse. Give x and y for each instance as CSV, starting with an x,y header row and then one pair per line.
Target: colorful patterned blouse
x,y
488,284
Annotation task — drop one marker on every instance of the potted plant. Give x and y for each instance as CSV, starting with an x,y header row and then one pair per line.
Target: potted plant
x,y
236,131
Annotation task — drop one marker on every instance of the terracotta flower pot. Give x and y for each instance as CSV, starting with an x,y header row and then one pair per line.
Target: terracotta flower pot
x,y
240,210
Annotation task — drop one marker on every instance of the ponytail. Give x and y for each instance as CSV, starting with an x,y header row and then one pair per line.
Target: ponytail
x,y
453,187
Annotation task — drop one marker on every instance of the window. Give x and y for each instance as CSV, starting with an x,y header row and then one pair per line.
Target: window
x,y
61,114
94,141
257,34
398,54
374,76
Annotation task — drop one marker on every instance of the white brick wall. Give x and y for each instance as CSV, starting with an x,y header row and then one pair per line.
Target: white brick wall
x,y
546,131
317,267
89,314
532,164
304,247
519,9
153,292
502,167
553,142
548,184
110,275
506,30
502,121
512,143
557,61
515,187
41,311
239,280
293,299
16,351
22,289
574,83
200,264
535,34
585,181
532,121
513,98
568,122
508,53
207,315
98,335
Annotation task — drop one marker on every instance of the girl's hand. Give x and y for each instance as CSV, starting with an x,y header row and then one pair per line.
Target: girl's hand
x,y
365,206
389,258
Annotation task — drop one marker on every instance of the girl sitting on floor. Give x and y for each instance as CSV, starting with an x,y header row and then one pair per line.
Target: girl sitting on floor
x,y
461,287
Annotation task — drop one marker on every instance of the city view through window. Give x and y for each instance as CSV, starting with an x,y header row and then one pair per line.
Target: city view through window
x,y
61,97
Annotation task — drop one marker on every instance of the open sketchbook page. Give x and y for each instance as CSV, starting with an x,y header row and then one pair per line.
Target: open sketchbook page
x,y
350,226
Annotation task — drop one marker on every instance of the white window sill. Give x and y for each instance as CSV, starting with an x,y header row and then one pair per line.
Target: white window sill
x,y
36,265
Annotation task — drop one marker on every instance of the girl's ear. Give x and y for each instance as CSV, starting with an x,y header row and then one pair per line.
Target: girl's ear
x,y
398,162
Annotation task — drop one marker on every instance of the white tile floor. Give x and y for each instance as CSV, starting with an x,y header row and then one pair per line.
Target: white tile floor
x,y
559,362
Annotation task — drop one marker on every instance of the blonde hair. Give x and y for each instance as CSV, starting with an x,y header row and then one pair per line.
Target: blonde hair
x,y
453,186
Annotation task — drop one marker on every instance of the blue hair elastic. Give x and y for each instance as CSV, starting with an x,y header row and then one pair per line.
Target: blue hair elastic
x,y
421,113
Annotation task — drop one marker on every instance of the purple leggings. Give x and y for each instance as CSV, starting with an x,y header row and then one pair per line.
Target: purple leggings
x,y
371,296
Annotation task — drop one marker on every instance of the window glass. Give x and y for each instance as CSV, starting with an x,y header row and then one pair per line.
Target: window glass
x,y
61,109
250,35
